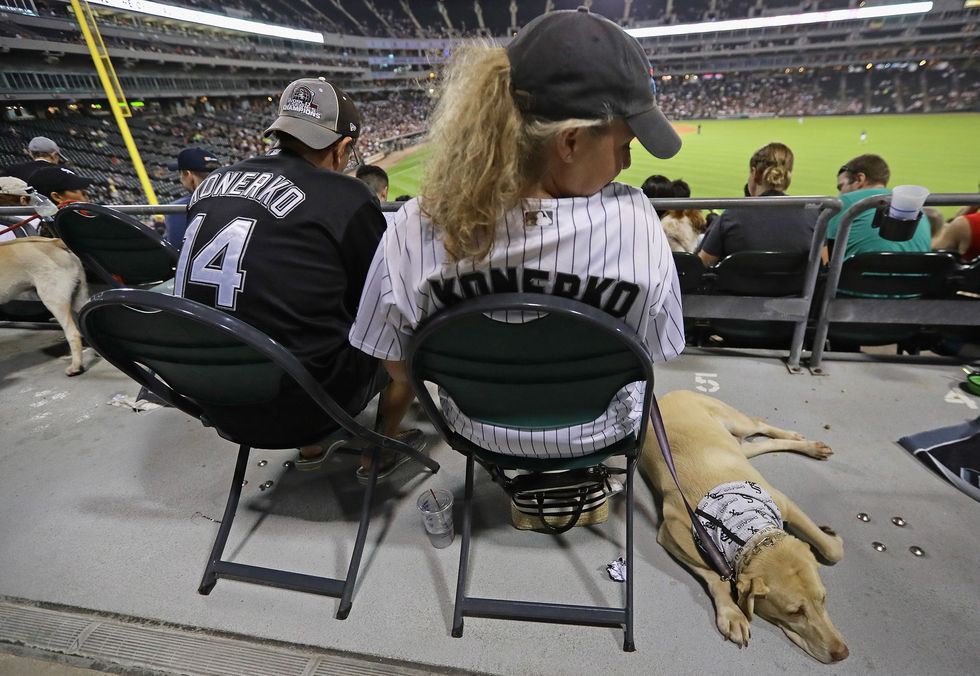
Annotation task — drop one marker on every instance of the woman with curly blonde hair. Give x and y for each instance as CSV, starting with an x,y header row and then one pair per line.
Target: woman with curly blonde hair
x,y
787,229
518,197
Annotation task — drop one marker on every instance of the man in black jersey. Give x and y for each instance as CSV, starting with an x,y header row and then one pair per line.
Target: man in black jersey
x,y
284,242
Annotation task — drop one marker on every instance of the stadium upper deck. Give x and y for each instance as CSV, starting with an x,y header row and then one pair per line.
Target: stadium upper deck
x,y
45,57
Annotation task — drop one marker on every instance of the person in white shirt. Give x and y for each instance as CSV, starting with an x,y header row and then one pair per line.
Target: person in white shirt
x,y
519,197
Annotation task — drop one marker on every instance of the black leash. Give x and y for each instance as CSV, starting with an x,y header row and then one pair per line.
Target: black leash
x,y
709,550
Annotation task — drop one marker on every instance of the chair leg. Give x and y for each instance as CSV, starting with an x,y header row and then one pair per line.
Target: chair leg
x,y
210,576
628,645
355,560
464,550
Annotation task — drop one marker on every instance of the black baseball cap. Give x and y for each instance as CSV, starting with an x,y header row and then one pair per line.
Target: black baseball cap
x,y
576,64
57,179
316,112
195,159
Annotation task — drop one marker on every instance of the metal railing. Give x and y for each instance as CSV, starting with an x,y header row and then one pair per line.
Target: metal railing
x,y
954,313
797,309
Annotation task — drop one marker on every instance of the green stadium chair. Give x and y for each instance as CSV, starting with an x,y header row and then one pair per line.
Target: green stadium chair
x,y
115,247
771,274
218,369
558,370
889,276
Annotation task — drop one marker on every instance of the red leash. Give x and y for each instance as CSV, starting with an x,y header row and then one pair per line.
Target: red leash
x,y
21,224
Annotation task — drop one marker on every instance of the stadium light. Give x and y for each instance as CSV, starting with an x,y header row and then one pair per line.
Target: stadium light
x,y
211,19
783,20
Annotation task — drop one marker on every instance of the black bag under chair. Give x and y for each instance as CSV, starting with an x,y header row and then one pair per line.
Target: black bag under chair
x,y
209,365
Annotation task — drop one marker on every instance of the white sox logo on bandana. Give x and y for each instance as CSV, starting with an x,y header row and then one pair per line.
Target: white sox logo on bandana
x,y
301,101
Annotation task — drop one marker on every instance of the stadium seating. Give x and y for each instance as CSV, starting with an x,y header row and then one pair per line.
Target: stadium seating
x,y
218,369
559,370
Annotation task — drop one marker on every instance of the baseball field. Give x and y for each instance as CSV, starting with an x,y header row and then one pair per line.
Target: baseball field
x,y
937,151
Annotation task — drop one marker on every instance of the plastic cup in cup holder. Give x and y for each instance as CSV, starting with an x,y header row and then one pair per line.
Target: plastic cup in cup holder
x,y
907,201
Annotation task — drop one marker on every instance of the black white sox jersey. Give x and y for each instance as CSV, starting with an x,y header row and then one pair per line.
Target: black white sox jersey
x,y
607,250
286,247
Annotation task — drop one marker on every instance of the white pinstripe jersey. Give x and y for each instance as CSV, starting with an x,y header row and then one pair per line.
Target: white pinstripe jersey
x,y
608,249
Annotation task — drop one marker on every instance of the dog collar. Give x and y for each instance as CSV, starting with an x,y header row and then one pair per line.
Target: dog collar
x,y
760,541
736,513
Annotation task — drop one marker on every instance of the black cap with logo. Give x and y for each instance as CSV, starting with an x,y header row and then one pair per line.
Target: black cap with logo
x,y
576,64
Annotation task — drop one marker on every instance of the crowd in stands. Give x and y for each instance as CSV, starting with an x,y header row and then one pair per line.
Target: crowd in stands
x,y
93,147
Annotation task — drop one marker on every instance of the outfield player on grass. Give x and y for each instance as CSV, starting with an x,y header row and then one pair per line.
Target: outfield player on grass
x,y
519,197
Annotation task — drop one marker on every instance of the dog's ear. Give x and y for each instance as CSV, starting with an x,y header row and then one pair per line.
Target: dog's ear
x,y
748,590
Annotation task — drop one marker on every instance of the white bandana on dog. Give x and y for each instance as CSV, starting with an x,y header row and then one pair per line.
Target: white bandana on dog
x,y
734,513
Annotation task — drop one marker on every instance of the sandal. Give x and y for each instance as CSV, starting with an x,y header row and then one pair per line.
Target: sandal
x,y
304,464
413,438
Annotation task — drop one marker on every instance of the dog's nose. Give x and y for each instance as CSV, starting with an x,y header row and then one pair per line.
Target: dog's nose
x,y
840,654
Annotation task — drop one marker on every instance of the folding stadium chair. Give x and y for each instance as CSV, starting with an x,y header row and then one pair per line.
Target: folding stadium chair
x,y
115,247
774,274
213,366
887,276
558,370
690,270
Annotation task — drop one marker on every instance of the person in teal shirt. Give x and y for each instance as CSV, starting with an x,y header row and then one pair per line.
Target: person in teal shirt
x,y
864,176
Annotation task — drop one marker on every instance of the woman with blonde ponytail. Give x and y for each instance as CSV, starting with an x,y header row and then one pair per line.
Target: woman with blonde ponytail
x,y
519,196
788,229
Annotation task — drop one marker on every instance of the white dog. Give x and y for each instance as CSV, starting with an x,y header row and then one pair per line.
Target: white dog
x,y
47,266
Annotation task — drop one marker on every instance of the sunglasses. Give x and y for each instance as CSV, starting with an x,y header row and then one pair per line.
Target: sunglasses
x,y
355,158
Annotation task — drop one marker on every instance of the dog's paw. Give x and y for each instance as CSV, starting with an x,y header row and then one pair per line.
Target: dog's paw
x,y
733,625
74,372
820,450
833,549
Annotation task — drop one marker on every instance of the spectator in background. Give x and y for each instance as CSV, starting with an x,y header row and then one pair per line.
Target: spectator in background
x,y
962,235
44,153
376,179
685,227
193,166
787,229
60,184
15,193
866,176
658,186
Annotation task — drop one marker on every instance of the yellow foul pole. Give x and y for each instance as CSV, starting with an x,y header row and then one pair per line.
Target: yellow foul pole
x,y
113,90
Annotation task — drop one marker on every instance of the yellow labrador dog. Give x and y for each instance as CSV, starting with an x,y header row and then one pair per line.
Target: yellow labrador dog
x,y
55,273
776,573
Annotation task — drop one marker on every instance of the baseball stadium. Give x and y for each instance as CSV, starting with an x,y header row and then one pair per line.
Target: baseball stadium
x,y
518,337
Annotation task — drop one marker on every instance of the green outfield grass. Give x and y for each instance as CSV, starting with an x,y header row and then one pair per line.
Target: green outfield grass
x,y
937,151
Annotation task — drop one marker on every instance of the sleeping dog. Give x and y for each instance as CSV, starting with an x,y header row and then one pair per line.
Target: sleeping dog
x,y
47,266
776,573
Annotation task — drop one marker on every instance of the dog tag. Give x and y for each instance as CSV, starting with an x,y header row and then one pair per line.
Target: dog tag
x,y
879,547
916,551
263,463
898,521
864,517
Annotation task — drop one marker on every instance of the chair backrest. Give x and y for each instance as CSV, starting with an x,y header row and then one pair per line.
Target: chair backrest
x,y
690,270
760,273
899,274
968,277
561,367
198,358
115,246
